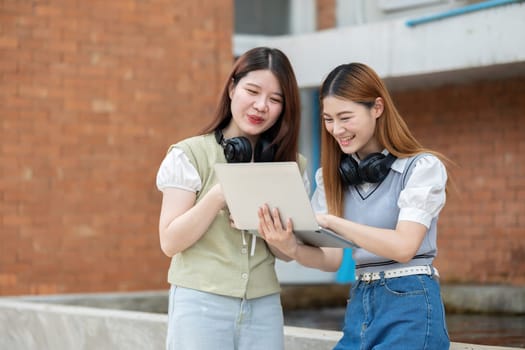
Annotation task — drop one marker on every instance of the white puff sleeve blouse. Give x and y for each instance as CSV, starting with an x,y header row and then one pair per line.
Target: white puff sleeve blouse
x,y
177,171
424,195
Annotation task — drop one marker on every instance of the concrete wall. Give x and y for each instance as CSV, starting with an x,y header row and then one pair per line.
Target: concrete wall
x,y
395,50
32,326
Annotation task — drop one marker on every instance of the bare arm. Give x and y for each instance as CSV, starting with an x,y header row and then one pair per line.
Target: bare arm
x,y
421,200
283,239
278,254
182,222
400,244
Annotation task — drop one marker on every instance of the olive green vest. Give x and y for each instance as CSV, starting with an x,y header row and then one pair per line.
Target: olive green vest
x,y
220,261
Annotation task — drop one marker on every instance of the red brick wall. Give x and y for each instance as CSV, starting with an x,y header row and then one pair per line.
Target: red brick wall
x,y
480,126
91,95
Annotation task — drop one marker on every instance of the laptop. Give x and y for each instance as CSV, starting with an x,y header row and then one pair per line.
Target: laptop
x,y
247,186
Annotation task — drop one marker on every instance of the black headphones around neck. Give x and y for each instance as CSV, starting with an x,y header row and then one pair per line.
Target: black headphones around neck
x,y
373,168
239,149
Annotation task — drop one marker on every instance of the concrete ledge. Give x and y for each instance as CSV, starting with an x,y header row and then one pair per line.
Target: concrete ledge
x,y
496,299
29,325
482,299
145,301
309,339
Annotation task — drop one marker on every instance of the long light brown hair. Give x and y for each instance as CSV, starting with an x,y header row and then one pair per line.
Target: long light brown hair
x,y
359,83
284,134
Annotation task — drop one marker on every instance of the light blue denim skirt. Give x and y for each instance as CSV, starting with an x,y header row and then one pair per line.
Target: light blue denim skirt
x,y
395,313
202,321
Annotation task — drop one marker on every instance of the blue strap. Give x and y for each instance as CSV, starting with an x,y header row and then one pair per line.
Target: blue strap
x,y
346,272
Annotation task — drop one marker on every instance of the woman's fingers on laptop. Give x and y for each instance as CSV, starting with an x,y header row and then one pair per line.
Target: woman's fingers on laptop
x,y
263,222
266,221
271,225
271,229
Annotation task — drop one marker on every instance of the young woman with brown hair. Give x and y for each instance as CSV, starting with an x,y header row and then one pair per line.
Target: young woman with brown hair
x,y
379,187
225,293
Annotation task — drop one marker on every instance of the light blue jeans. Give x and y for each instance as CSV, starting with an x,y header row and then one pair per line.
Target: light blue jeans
x,y
404,313
202,321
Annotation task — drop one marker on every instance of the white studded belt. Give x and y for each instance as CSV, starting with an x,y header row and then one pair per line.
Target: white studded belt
x,y
392,273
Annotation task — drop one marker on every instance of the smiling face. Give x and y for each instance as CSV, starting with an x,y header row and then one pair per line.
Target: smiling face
x,y
352,124
256,104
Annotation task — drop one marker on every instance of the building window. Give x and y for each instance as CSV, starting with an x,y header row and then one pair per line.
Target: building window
x,y
262,17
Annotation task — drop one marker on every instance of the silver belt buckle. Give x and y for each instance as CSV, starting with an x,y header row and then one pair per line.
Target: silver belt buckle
x,y
366,277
